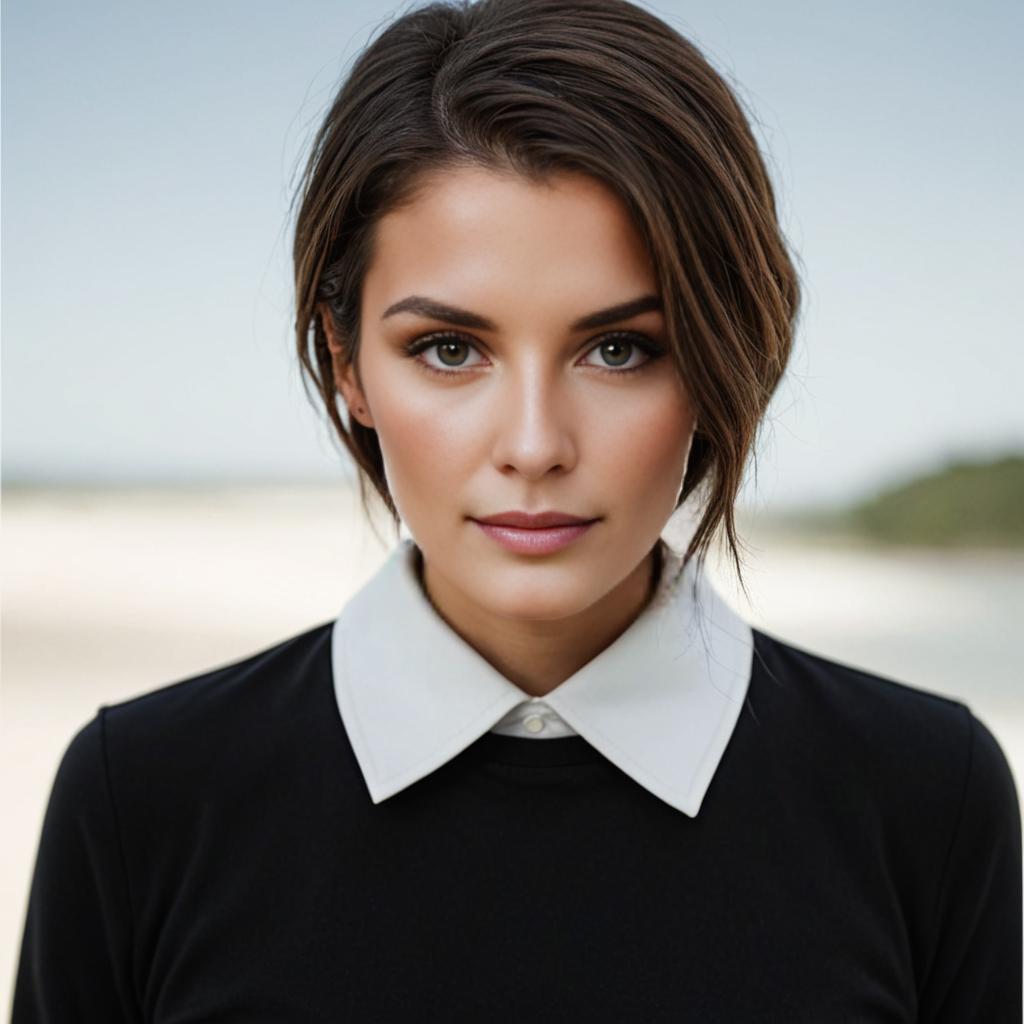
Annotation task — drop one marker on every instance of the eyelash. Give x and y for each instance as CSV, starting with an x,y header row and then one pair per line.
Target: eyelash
x,y
641,341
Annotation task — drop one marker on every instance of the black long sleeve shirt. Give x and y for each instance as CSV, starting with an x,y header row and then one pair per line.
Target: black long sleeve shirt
x,y
210,852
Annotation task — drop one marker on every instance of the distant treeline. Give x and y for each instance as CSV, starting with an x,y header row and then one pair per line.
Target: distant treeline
x,y
964,504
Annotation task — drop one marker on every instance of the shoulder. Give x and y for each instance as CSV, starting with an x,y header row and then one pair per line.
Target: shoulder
x,y
911,790
179,737
205,721
884,743
852,705
228,689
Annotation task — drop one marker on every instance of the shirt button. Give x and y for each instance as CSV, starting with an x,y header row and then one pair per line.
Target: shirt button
x,y
534,723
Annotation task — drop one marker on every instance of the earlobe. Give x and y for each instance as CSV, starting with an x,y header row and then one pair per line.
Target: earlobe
x,y
354,398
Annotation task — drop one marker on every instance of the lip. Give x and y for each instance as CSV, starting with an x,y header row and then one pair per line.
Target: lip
x,y
534,520
538,533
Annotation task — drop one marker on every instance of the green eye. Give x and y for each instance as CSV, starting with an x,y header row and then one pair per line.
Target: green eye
x,y
616,349
444,350
620,351
452,351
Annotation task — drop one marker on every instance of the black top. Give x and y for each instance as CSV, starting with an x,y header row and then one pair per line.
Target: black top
x,y
210,853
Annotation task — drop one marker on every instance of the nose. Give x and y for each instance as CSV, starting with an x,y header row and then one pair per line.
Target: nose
x,y
534,423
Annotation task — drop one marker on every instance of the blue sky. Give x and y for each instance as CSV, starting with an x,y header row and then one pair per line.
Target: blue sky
x,y
150,151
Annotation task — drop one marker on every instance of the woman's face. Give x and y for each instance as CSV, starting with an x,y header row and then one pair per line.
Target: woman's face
x,y
510,404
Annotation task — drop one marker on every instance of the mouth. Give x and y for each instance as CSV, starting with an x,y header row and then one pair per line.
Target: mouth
x,y
534,520
535,540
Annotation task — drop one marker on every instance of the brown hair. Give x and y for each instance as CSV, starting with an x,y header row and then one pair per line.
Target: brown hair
x,y
538,86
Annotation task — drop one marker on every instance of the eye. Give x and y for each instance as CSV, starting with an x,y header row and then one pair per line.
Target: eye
x,y
617,351
452,351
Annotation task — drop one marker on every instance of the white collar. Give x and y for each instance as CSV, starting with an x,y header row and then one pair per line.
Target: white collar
x,y
660,702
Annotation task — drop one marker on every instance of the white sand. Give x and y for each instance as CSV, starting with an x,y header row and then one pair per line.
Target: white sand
x,y
107,595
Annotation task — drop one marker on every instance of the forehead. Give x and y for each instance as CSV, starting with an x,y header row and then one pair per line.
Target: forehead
x,y
484,231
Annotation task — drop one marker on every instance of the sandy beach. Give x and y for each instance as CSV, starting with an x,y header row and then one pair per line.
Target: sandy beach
x,y
108,594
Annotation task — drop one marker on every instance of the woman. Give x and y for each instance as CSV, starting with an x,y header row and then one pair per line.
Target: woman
x,y
537,769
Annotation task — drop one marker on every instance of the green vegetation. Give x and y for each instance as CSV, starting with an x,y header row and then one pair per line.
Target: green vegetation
x,y
964,504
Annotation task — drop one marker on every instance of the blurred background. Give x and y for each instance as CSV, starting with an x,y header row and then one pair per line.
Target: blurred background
x,y
171,501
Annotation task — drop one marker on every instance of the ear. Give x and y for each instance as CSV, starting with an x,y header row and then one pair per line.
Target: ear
x,y
345,378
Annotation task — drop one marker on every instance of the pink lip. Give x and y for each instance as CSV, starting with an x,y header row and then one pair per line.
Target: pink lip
x,y
537,540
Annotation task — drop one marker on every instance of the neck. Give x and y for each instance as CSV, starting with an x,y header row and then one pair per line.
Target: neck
x,y
539,655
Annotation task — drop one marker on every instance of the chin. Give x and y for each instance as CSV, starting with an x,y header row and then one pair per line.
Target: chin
x,y
535,592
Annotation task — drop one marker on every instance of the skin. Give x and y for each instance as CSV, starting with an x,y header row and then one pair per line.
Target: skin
x,y
536,416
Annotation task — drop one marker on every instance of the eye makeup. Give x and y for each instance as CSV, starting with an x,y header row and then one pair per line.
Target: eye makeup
x,y
650,349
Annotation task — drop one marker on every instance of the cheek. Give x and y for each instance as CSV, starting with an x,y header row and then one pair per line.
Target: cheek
x,y
644,446
426,439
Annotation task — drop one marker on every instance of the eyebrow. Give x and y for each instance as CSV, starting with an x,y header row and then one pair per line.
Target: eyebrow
x,y
466,318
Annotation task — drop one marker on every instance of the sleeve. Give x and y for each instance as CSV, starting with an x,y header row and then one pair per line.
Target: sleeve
x,y
976,968
75,962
